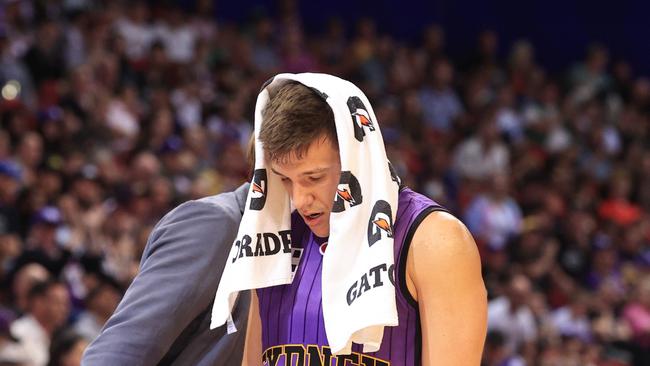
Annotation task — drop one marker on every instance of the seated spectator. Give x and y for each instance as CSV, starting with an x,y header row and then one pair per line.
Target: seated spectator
x,y
23,280
67,349
511,315
618,208
637,314
100,303
42,245
11,352
571,320
494,217
440,103
48,309
483,154
495,353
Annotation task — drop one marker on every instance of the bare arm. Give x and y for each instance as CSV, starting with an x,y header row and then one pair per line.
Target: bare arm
x,y
444,276
253,345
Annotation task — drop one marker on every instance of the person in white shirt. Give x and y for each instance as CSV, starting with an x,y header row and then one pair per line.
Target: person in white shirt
x,y
572,319
494,217
136,30
48,310
512,316
483,154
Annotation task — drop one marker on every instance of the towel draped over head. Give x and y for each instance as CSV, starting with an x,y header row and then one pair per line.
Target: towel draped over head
x,y
356,306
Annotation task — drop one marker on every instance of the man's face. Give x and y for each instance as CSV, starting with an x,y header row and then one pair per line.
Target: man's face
x,y
58,302
311,183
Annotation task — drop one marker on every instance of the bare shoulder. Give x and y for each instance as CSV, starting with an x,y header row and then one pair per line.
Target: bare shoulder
x,y
442,235
445,272
442,252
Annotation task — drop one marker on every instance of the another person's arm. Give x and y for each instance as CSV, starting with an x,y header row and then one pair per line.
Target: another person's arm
x,y
444,277
179,274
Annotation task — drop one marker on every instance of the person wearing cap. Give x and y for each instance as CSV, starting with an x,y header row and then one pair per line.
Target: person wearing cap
x,y
42,245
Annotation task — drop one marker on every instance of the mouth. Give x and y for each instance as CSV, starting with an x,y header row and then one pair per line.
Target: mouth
x,y
312,218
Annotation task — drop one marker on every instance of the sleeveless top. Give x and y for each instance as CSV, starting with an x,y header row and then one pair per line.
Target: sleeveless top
x,y
293,331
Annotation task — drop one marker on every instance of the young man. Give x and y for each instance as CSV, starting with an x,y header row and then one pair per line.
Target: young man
x,y
441,298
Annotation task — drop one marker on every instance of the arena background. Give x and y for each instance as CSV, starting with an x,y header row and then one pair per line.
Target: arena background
x,y
530,121
558,29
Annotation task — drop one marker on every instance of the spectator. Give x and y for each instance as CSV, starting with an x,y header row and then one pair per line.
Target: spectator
x,y
440,104
571,320
482,155
23,280
178,37
10,184
45,60
511,315
11,352
618,207
494,217
48,310
590,78
43,245
495,353
134,27
100,302
637,314
264,50
67,349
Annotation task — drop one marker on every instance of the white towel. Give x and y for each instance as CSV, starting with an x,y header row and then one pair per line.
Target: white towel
x,y
355,308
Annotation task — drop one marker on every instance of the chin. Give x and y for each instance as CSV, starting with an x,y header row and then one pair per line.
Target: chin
x,y
321,233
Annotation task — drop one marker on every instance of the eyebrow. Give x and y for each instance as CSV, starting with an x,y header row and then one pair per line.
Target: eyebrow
x,y
309,172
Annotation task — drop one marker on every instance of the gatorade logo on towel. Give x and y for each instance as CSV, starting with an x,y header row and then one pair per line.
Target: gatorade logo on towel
x,y
258,189
360,118
380,224
348,192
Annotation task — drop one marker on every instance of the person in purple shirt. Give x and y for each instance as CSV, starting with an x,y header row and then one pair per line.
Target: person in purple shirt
x,y
441,298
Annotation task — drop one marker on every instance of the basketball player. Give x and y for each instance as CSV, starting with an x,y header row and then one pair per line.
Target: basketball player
x,y
441,298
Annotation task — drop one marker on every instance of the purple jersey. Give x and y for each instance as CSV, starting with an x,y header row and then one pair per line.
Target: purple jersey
x,y
292,315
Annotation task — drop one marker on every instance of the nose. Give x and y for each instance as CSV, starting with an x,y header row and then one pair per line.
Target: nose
x,y
302,197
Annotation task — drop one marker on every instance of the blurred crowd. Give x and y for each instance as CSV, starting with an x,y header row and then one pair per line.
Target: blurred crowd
x,y
113,112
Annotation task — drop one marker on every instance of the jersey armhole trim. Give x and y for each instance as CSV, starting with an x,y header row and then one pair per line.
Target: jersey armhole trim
x,y
405,251
402,278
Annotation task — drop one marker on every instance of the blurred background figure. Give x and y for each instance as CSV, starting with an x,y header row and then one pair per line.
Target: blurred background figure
x,y
24,279
11,351
100,302
512,317
494,217
637,315
67,349
48,309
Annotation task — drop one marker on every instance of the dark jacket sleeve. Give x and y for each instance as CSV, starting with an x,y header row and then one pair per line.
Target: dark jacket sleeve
x,y
179,274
